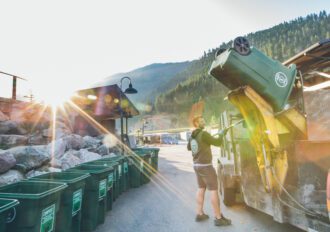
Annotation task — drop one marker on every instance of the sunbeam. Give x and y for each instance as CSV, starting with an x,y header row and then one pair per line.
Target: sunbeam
x,y
167,184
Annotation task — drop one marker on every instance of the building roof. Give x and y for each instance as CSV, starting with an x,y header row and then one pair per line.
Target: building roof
x,y
314,58
104,102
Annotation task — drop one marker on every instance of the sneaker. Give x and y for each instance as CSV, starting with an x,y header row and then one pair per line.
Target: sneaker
x,y
222,221
201,217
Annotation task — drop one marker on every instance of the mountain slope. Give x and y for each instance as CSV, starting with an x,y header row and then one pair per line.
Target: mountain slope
x,y
147,79
279,42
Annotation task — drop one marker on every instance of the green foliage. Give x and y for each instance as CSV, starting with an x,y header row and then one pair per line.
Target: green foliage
x,y
193,84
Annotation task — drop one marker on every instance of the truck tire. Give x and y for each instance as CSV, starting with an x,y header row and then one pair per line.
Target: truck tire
x,y
228,195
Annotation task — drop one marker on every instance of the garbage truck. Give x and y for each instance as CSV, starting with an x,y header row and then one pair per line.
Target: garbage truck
x,y
276,154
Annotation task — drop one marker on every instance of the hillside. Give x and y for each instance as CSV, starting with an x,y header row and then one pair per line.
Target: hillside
x,y
279,42
146,80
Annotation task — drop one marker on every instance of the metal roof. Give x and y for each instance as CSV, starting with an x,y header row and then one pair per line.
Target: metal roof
x,y
104,102
314,58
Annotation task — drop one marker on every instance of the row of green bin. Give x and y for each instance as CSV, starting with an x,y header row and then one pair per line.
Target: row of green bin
x,y
76,199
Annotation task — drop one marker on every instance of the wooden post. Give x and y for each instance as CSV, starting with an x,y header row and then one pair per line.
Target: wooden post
x,y
14,88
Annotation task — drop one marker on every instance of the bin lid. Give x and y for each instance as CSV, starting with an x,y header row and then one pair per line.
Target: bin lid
x,y
31,189
109,167
6,204
65,177
117,158
107,162
146,148
140,153
92,169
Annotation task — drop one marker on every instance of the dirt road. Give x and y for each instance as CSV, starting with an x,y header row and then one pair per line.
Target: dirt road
x,y
167,203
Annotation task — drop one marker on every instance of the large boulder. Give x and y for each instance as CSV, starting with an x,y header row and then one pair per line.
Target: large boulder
x,y
59,133
10,177
91,142
111,155
55,163
70,159
92,149
9,141
103,150
7,161
30,157
37,139
74,141
86,156
34,173
57,148
11,127
3,117
51,169
27,114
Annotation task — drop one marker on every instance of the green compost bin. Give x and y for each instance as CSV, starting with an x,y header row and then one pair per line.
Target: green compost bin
x,y
153,151
69,216
111,179
146,174
7,212
39,203
95,197
144,158
266,76
117,180
135,171
115,184
122,171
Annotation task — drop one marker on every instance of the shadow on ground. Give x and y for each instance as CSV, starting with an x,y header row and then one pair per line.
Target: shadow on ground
x,y
167,203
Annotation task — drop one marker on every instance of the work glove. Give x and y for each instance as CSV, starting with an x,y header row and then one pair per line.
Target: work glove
x,y
223,132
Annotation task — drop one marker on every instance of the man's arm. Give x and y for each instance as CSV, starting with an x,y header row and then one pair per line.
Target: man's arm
x,y
210,140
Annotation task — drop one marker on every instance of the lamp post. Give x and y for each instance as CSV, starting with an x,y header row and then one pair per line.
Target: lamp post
x,y
129,90
144,123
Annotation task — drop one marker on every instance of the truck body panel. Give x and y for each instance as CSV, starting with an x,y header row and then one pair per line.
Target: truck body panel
x,y
278,162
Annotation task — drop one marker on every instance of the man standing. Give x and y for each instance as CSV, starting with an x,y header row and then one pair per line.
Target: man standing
x,y
200,145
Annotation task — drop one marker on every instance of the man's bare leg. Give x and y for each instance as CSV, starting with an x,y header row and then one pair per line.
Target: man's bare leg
x,y
215,203
200,200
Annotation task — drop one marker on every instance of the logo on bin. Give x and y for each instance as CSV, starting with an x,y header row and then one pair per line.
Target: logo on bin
x,y
119,170
281,79
110,181
125,167
76,202
48,219
102,189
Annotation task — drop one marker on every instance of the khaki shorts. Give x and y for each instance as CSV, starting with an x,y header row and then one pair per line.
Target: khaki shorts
x,y
206,177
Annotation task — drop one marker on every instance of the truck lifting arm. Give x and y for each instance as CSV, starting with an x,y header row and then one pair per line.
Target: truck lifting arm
x,y
264,129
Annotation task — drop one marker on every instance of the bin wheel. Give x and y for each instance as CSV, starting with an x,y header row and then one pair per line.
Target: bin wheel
x,y
11,215
228,197
241,46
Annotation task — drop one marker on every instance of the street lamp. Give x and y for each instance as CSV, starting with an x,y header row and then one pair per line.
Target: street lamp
x,y
129,90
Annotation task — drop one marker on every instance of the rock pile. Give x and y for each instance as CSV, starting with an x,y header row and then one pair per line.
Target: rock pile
x,y
26,149
26,161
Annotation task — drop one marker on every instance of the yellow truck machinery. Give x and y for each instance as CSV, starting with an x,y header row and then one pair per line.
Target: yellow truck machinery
x,y
277,159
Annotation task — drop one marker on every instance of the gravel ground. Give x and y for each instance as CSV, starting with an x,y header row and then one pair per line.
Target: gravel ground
x,y
167,203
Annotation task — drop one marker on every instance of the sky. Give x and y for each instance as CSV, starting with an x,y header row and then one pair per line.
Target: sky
x,y
64,45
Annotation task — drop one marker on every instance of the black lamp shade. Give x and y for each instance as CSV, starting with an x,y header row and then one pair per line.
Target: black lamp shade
x,y
130,90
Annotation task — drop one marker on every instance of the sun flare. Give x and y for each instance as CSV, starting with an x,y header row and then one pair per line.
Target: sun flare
x,y
53,95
